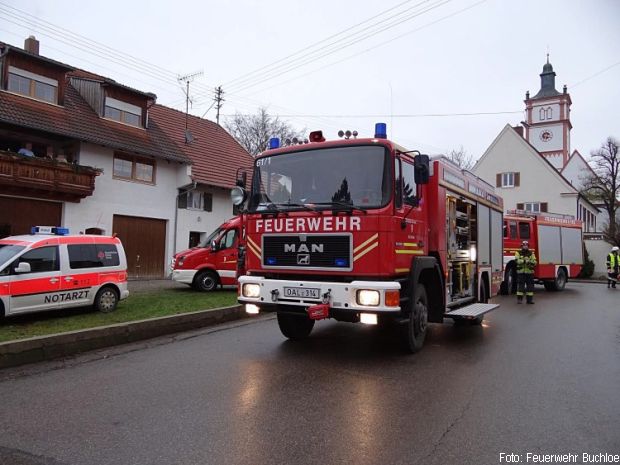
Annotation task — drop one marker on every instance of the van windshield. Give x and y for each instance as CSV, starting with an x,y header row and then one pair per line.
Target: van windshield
x,y
212,236
8,251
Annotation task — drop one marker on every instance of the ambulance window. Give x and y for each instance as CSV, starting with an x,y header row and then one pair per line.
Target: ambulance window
x,y
92,255
43,259
524,230
228,239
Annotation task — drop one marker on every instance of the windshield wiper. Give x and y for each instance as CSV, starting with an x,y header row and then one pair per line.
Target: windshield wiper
x,y
344,205
305,206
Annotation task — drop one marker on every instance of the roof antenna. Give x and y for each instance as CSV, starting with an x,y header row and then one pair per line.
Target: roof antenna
x,y
187,79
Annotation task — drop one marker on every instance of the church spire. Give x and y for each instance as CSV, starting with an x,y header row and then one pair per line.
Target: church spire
x,y
547,81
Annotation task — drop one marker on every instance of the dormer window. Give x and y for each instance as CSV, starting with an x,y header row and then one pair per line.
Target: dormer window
x,y
123,112
32,85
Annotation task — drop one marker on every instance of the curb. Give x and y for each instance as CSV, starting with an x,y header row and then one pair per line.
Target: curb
x,y
42,348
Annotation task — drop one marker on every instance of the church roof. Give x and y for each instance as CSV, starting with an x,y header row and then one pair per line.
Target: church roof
x,y
547,82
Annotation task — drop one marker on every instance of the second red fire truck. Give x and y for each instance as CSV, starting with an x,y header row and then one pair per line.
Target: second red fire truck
x,y
555,240
362,230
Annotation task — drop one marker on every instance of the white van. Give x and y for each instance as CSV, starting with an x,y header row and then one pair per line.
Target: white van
x,y
51,269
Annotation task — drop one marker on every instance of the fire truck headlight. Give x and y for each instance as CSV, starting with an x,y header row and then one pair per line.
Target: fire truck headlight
x,y
252,309
368,297
368,318
250,290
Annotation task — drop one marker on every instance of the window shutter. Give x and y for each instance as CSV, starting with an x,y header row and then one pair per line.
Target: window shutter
x,y
543,206
182,200
208,202
517,179
498,180
520,206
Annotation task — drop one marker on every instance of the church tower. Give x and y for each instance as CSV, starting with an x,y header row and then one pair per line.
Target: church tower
x,y
548,123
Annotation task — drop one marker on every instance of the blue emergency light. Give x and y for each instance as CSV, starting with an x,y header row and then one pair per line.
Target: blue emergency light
x,y
342,262
58,231
274,143
271,261
381,131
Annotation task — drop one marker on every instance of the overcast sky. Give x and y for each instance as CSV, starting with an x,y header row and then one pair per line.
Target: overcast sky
x,y
326,64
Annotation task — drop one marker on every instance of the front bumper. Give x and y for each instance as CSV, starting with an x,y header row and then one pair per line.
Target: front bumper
x,y
183,276
339,296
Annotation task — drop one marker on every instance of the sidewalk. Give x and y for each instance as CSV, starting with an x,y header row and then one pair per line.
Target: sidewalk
x,y
148,285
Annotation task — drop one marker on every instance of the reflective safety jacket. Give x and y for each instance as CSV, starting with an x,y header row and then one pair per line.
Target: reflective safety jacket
x,y
613,260
526,261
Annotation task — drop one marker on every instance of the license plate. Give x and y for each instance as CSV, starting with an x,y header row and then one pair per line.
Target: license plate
x,y
302,292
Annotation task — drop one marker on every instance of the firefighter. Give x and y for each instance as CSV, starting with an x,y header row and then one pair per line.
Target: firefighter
x,y
526,261
612,267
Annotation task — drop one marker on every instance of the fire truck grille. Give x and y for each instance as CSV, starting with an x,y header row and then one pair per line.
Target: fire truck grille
x,y
310,251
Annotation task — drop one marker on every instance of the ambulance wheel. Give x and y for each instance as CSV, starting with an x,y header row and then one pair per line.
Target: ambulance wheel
x,y
415,330
206,281
106,300
295,327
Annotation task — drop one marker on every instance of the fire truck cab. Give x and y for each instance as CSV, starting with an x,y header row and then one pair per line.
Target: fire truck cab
x,y
364,230
555,239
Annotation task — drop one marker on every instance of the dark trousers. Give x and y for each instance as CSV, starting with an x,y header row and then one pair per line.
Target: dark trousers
x,y
525,285
612,282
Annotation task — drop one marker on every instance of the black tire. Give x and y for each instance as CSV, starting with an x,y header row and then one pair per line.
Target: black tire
x,y
206,281
415,330
559,283
295,327
509,285
106,300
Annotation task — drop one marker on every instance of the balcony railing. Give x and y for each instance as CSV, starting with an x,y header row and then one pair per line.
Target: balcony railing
x,y
50,179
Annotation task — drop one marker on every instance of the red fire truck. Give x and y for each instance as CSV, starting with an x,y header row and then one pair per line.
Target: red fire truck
x,y
362,230
555,239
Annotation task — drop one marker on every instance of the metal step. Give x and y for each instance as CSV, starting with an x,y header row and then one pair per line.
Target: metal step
x,y
472,311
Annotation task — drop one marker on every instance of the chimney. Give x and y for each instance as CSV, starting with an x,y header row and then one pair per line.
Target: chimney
x,y
31,44
518,130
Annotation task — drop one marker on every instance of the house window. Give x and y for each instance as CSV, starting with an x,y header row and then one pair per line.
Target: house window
x,y
122,112
549,113
508,179
32,85
196,200
134,168
541,113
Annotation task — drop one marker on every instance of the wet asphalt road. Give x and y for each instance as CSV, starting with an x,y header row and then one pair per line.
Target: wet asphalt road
x,y
539,379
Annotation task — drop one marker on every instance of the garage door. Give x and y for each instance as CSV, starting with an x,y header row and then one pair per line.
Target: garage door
x,y
17,216
144,240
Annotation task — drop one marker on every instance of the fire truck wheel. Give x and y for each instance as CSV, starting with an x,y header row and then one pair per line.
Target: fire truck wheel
x,y
418,321
106,300
295,327
509,285
206,281
558,283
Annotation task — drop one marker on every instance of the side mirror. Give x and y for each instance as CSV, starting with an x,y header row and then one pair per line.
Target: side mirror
x,y
241,178
214,246
237,195
23,267
421,169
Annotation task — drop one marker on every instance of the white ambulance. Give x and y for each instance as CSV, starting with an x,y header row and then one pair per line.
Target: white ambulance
x,y
50,269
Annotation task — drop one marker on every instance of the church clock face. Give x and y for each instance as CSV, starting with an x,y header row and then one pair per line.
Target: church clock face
x,y
546,135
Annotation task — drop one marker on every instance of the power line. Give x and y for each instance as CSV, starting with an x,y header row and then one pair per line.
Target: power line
x,y
598,73
335,47
268,68
381,44
418,115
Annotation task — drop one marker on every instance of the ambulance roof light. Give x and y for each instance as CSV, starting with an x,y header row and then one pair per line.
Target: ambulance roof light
x,y
274,143
381,131
58,231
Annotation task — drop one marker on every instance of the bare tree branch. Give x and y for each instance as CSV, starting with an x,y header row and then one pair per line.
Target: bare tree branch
x,y
254,131
461,158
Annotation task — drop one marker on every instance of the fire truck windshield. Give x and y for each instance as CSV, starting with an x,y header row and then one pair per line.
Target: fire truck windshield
x,y
343,177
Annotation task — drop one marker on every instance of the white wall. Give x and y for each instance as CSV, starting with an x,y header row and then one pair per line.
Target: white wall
x,y
598,251
202,221
118,197
555,143
539,182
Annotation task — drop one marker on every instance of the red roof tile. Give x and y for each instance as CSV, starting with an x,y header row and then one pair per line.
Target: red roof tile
x,y
215,154
76,119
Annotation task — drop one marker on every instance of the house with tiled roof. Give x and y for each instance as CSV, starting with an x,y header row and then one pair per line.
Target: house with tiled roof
x,y
83,151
